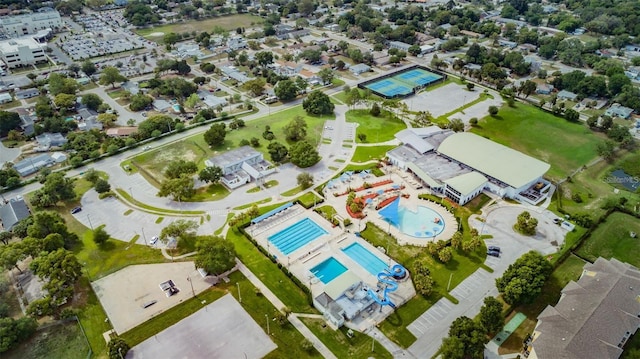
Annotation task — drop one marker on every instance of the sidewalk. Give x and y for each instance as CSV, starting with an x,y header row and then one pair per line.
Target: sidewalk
x,y
293,319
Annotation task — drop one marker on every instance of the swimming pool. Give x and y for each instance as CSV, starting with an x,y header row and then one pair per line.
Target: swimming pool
x,y
328,270
296,235
425,223
367,260
176,108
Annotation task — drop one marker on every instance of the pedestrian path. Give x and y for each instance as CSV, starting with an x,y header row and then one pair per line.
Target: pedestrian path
x,y
391,347
297,323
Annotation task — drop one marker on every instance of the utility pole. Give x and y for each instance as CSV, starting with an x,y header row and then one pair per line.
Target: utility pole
x,y
190,282
239,296
267,318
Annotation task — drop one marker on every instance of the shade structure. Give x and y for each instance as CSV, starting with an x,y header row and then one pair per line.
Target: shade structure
x,y
390,212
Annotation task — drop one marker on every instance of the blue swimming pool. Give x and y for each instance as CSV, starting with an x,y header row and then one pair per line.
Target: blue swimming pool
x,y
424,223
328,270
369,261
296,235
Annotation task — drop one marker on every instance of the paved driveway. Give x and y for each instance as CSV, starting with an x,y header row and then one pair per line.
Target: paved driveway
x,y
433,325
8,154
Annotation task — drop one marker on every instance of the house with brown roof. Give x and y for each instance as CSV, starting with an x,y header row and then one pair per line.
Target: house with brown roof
x,y
121,131
594,317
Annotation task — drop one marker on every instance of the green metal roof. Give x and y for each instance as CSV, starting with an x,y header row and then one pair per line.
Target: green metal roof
x,y
466,183
493,159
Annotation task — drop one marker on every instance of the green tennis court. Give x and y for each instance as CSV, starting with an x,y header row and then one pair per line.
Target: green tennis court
x,y
509,328
403,83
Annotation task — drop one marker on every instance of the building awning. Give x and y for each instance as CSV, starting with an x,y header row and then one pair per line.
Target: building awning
x,y
423,175
340,284
271,213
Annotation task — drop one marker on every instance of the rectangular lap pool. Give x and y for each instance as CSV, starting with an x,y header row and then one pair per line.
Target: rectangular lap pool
x,y
296,235
369,261
328,270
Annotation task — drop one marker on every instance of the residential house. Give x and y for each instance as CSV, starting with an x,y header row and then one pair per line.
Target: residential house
x,y
594,317
617,110
567,95
632,48
232,72
48,139
121,131
33,164
544,89
237,43
5,97
359,69
508,44
13,212
286,68
241,166
534,64
161,105
399,45
471,34
27,93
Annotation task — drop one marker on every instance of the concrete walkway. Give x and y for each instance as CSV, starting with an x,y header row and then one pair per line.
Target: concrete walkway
x,y
297,323
391,347
8,154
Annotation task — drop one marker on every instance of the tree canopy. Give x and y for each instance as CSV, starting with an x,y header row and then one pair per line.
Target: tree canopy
x,y
318,103
296,129
522,282
215,135
303,154
215,254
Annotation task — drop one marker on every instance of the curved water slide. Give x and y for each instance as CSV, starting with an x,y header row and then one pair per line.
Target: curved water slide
x,y
390,285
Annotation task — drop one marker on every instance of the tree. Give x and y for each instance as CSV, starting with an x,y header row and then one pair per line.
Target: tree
x,y
445,254
102,186
9,121
117,348
318,103
452,348
170,39
303,155
277,151
179,168
617,82
470,334
493,110
264,58
375,110
60,269
61,84
491,317
92,101
56,188
296,129
526,224
140,101
64,101
15,331
192,101
527,88
572,115
179,188
100,236
215,135
286,90
210,174
470,86
88,67
107,119
522,282
111,75
606,150
326,75
255,86
305,180
215,254
181,229
456,125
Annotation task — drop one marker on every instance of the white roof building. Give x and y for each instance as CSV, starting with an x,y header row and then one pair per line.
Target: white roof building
x,y
25,24
22,51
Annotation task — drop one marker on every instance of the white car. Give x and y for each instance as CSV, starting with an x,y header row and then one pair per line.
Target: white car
x,y
154,240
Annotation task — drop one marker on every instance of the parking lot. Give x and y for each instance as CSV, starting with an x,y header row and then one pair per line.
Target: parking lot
x,y
441,100
124,293
222,329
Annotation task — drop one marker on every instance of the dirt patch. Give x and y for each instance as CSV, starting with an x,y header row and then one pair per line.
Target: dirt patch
x,y
156,34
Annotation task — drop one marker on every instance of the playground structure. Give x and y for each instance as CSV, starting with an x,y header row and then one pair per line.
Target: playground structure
x,y
388,281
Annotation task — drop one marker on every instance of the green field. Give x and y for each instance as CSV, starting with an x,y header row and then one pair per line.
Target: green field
x,y
230,22
612,240
61,341
566,146
377,129
358,346
369,153
194,148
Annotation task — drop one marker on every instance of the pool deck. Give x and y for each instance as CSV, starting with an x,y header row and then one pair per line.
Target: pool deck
x,y
339,203
301,261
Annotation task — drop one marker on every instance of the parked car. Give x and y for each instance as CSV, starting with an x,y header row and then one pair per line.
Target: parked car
x,y
154,240
76,210
493,253
494,249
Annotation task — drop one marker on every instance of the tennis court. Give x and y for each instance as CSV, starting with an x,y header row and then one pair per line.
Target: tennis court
x,y
403,83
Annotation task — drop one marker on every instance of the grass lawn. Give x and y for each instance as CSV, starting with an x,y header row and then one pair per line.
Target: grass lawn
x,y
377,129
8,105
230,22
268,272
245,206
309,199
368,153
196,149
358,346
567,271
593,190
127,196
292,192
611,239
461,266
212,192
566,146
62,341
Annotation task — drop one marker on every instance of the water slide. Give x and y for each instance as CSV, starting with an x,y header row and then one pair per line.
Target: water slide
x,y
391,285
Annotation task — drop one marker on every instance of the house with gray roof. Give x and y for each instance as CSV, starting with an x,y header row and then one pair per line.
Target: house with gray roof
x,y
12,212
32,165
567,95
594,317
28,93
240,166
359,69
51,139
617,110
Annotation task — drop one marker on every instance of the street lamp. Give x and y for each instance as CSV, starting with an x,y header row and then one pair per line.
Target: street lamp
x,y
239,296
190,282
266,317
90,224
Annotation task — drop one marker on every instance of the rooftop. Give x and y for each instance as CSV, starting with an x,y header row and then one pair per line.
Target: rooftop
x,y
12,212
493,159
235,156
466,183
